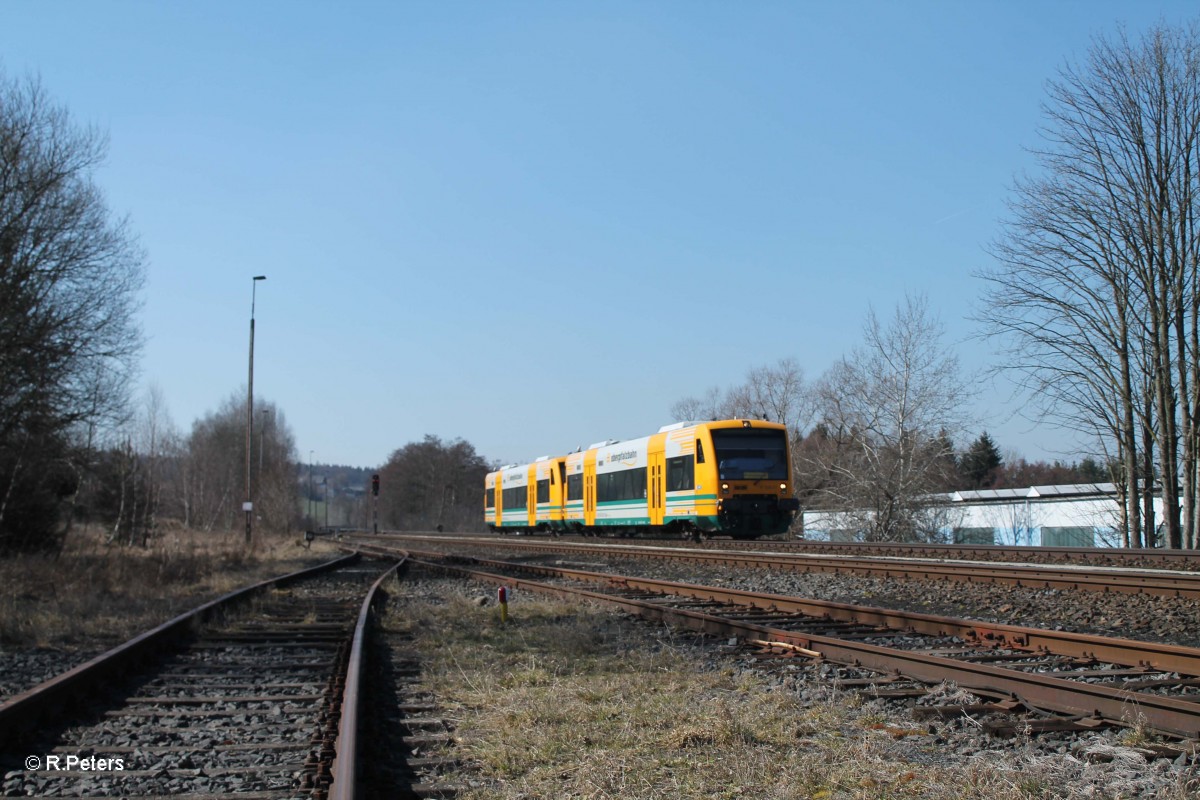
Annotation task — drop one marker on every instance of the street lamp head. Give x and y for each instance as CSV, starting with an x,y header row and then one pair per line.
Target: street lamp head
x,y
260,277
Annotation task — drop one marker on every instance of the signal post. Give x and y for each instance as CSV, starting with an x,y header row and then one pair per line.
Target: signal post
x,y
375,501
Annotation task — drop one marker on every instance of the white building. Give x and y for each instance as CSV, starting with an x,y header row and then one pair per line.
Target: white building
x,y
1072,515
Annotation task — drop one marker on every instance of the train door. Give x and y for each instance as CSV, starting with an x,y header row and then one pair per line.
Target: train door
x,y
558,494
531,496
499,498
656,479
589,488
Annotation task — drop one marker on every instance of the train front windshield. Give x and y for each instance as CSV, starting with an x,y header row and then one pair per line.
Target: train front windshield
x,y
748,454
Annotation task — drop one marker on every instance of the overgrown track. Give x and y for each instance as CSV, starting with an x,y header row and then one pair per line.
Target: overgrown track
x,y
1082,578
1057,680
217,701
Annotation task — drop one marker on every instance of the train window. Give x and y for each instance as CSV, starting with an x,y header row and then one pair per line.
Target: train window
x,y
681,473
604,482
575,486
515,498
543,491
628,484
490,499
699,452
749,454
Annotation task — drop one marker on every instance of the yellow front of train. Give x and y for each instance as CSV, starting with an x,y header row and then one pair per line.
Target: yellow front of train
x,y
749,467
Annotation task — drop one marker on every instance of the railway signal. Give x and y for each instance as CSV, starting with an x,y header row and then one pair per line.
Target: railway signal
x,y
375,501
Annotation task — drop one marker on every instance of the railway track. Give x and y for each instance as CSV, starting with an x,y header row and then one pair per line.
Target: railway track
x,y
1069,577
257,693
1051,680
1140,558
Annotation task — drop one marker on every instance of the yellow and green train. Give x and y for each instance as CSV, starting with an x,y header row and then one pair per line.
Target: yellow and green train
x,y
730,477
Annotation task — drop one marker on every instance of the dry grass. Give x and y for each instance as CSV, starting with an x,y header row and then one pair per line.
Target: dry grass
x,y
571,701
95,594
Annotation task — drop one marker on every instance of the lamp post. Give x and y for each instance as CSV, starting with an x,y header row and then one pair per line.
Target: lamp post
x,y
310,489
248,506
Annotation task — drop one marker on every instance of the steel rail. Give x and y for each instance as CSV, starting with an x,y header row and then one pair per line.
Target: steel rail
x,y
22,712
1160,584
1145,557
1129,652
345,762
1119,706
1116,556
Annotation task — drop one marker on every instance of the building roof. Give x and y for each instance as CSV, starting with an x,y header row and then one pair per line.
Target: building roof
x,y
1032,492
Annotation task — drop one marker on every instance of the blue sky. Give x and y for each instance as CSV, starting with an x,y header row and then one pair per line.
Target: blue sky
x,y
538,225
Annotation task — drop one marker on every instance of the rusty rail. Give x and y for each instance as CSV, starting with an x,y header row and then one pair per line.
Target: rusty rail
x,y
1167,715
1166,657
23,712
1156,557
1096,579
345,764
1143,557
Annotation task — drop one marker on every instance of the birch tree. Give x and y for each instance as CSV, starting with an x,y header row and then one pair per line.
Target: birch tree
x,y
1095,294
889,412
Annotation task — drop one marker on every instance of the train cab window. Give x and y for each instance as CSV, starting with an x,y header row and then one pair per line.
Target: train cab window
x,y
751,454
681,473
490,499
699,452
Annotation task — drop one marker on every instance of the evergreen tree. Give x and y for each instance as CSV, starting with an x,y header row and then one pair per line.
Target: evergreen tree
x,y
978,466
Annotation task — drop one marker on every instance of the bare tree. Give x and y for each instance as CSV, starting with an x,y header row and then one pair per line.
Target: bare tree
x,y
210,475
1016,520
711,406
779,393
1096,293
70,275
888,415
429,483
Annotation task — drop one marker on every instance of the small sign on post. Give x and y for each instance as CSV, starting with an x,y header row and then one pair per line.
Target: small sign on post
x,y
502,599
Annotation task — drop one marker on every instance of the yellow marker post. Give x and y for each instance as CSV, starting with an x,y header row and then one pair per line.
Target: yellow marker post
x,y
502,598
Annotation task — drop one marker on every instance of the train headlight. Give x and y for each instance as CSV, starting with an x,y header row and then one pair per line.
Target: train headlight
x,y
724,487
783,487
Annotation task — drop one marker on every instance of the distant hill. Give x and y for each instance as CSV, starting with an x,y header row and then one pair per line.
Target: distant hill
x,y
343,481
